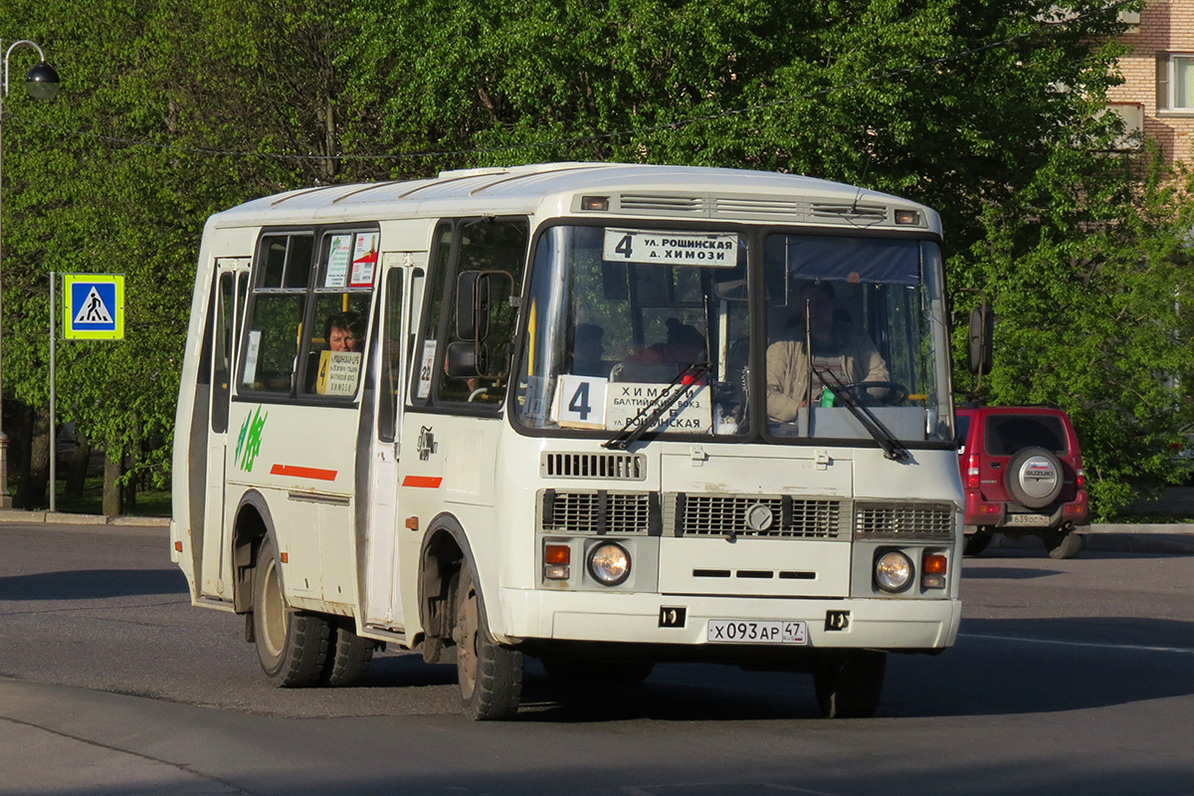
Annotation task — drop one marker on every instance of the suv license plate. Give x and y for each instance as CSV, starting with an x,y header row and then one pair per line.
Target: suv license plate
x,y
1032,520
756,631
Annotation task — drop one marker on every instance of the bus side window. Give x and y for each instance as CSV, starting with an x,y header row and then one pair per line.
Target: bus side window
x,y
490,256
343,292
276,313
222,354
391,358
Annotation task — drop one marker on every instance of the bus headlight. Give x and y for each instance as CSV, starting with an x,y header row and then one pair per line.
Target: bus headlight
x,y
609,564
893,571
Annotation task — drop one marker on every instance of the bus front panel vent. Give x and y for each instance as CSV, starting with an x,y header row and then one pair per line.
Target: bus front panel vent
x,y
607,466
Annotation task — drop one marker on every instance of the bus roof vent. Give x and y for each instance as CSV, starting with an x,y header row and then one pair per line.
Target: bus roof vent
x,y
853,213
612,466
656,203
787,209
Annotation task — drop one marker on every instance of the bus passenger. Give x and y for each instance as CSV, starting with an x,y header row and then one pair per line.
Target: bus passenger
x,y
343,332
838,346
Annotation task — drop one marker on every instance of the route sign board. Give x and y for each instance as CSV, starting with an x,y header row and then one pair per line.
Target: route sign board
x,y
93,308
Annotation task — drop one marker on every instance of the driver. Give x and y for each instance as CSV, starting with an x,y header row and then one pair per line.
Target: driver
x,y
837,346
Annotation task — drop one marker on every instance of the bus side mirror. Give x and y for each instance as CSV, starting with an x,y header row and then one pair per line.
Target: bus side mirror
x,y
981,339
472,305
462,362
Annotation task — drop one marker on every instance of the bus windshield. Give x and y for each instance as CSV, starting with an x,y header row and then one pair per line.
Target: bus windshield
x,y
619,319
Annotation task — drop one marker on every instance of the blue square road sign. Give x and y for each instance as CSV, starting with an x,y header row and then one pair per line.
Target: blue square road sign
x,y
94,306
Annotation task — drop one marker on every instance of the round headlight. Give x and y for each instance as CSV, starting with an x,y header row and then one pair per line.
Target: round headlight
x,y
609,563
893,571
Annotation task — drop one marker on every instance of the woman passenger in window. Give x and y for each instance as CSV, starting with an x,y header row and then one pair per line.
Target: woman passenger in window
x,y
343,332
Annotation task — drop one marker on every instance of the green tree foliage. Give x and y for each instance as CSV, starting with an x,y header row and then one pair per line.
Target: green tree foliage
x,y
1088,272
989,110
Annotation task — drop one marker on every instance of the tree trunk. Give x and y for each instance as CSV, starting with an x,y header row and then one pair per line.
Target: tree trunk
x,y
113,469
130,486
18,424
33,493
80,460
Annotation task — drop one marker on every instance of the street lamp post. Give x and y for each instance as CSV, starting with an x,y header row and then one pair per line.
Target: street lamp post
x,y
41,82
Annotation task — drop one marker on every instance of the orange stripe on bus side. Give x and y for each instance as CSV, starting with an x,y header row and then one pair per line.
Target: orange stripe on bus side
x,y
428,481
303,472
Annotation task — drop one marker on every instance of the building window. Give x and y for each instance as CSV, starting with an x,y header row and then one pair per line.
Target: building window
x,y
1175,82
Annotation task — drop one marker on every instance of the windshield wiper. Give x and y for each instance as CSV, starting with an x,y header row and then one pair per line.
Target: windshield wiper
x,y
639,424
892,447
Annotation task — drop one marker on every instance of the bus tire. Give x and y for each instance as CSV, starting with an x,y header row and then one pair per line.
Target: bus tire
x,y
490,675
849,683
291,646
349,656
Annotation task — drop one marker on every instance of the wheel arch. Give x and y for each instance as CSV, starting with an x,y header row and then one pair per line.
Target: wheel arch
x,y
253,523
444,552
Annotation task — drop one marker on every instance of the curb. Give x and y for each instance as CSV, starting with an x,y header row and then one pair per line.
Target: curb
x,y
61,518
1172,539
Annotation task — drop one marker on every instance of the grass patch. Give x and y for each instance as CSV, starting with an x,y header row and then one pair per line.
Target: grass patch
x,y
150,503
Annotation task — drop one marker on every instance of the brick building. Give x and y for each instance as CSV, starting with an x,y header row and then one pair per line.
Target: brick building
x,y
1158,93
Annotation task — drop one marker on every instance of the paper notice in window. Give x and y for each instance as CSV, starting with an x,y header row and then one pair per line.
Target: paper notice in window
x,y
364,260
339,255
338,372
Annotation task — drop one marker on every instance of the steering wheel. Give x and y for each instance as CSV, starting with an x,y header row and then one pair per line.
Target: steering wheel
x,y
477,393
896,392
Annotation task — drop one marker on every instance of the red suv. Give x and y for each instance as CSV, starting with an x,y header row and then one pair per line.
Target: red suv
x,y
1022,474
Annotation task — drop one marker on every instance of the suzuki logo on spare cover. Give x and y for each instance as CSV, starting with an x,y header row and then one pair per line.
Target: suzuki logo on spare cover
x,y
1038,475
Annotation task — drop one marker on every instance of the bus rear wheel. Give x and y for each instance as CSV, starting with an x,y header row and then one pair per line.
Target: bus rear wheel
x,y
489,674
291,646
849,683
349,656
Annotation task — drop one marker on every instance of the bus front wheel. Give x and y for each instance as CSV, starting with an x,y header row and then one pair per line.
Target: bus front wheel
x,y
291,646
849,683
489,674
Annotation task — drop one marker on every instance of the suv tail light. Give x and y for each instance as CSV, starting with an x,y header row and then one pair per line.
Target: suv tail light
x,y
1081,478
972,471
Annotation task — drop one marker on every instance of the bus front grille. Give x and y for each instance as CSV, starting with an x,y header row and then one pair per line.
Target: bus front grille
x,y
763,516
597,511
904,520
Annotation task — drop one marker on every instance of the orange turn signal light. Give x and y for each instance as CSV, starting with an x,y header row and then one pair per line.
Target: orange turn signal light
x,y
934,563
557,554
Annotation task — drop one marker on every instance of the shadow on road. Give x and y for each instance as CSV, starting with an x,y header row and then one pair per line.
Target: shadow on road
x,y
972,572
1031,666
92,584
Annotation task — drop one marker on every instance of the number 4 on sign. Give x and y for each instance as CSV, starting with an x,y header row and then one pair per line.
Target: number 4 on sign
x,y
580,402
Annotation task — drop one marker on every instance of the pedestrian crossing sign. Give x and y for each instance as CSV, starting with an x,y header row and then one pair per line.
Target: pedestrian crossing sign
x,y
94,306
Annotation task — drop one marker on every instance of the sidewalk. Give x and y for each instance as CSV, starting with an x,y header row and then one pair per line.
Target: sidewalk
x,y
1171,538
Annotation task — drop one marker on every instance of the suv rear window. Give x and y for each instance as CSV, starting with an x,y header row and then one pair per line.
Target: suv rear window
x,y
1007,434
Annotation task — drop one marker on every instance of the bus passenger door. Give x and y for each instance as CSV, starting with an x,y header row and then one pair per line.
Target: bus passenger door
x,y
231,286
401,300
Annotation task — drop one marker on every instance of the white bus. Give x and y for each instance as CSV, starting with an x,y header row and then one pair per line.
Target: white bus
x,y
566,411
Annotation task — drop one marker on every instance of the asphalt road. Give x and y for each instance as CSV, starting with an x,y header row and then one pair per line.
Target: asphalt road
x,y
1069,675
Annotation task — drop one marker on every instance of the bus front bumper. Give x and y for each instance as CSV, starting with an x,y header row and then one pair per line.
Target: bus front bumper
x,y
627,618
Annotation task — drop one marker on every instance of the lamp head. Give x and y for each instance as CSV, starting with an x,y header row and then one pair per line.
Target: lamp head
x,y
42,82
